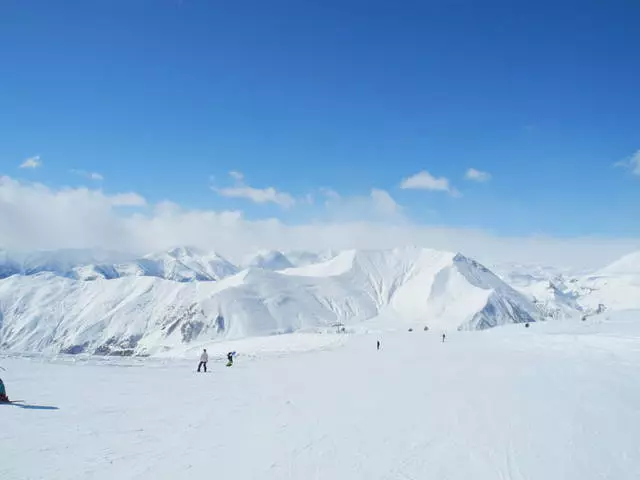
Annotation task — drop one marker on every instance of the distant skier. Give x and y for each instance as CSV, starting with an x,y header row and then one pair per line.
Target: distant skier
x,y
378,345
443,337
229,359
204,358
3,392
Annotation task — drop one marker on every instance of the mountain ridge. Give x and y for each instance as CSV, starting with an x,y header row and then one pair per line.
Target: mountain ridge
x,y
362,289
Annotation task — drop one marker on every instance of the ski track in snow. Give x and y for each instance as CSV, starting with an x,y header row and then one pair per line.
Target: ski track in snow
x,y
555,401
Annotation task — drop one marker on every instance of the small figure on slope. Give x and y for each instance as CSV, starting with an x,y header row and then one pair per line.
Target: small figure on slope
x,y
443,337
229,359
3,392
378,345
204,358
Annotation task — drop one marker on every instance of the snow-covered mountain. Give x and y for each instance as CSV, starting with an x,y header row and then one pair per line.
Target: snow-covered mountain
x,y
268,260
551,289
178,264
565,294
627,265
302,258
61,262
155,310
615,287
186,264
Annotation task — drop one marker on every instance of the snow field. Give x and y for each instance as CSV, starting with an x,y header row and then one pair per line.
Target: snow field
x,y
554,401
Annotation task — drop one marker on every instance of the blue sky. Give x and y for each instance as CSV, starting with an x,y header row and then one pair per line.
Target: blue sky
x,y
165,97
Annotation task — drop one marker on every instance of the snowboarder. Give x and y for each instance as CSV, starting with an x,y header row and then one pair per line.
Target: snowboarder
x,y
3,392
378,345
229,359
443,337
204,358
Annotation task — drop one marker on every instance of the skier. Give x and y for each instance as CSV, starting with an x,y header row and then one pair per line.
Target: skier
x,y
204,358
3,392
443,336
378,345
229,359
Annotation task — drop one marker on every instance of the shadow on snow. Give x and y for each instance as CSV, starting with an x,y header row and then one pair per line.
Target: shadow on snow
x,y
30,407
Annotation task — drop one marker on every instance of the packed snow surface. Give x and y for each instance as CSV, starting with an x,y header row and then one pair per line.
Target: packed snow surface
x,y
555,401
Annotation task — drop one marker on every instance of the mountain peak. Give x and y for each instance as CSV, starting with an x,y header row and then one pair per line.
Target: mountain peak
x,y
627,265
185,251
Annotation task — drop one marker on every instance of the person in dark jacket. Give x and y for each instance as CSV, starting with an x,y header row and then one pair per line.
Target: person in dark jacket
x,y
3,392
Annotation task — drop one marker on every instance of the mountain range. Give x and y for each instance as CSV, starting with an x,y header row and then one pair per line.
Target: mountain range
x,y
100,302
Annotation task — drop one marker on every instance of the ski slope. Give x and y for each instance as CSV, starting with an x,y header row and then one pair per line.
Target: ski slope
x,y
556,401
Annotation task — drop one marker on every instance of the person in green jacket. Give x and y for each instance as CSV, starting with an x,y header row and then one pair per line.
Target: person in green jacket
x,y
3,392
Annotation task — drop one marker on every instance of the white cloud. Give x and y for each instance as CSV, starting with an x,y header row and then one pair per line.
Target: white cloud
x,y
310,198
477,175
127,200
384,203
632,163
238,176
425,181
256,195
330,194
377,205
90,175
31,162
36,216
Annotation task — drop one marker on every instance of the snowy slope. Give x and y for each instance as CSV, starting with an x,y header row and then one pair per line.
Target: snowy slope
x,y
178,264
552,290
302,258
615,287
268,259
557,401
627,265
399,288
186,264
61,262
571,294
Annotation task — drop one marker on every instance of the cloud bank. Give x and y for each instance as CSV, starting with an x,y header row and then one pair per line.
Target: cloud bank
x,y
34,216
